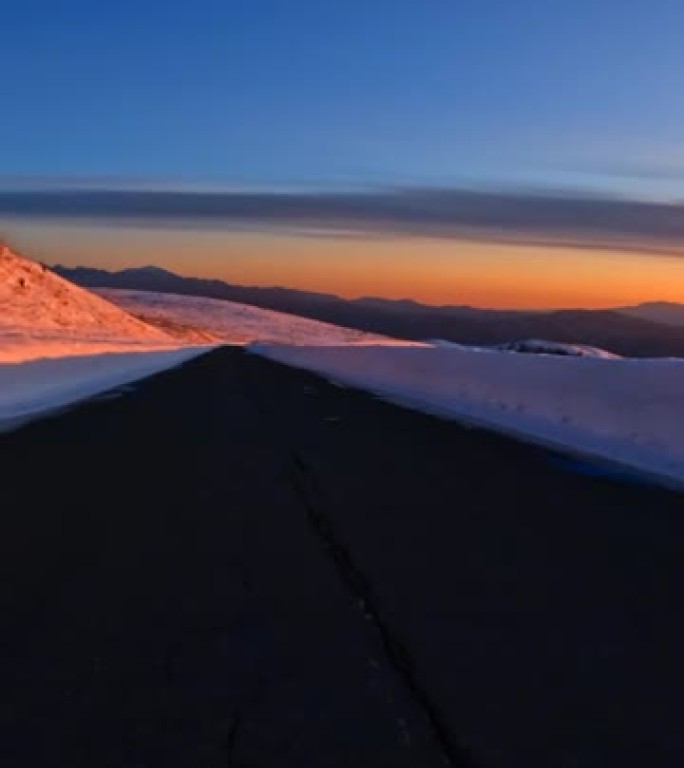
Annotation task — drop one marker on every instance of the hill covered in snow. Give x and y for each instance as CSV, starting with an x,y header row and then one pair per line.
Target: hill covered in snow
x,y
544,347
60,343
99,342
192,317
44,315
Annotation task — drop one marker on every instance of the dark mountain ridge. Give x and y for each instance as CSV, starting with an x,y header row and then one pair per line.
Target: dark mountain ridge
x,y
667,312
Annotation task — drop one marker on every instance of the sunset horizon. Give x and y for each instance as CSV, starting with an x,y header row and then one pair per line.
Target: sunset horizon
x,y
413,150
433,271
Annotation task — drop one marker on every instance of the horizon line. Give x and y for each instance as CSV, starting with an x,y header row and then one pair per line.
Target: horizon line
x,y
356,298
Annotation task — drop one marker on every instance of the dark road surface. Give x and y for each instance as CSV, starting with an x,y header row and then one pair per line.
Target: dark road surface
x,y
241,565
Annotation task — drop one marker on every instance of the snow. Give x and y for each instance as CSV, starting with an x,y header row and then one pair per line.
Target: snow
x,y
543,347
233,323
34,388
60,343
44,315
621,410
20,348
533,346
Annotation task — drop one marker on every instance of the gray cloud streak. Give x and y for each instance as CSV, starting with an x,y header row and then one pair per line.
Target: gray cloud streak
x,y
443,213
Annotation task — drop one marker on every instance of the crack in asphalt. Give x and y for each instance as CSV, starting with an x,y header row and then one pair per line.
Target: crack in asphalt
x,y
399,658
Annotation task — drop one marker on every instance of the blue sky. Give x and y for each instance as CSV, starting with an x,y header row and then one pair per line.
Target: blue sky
x,y
362,91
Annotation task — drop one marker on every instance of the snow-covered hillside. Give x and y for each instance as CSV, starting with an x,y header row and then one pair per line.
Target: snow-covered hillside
x,y
230,322
543,347
60,343
533,346
94,345
35,387
624,410
43,315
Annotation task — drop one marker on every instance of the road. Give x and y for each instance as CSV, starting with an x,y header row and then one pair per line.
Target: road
x,y
239,564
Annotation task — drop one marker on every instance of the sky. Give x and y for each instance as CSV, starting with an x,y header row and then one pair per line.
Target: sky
x,y
303,94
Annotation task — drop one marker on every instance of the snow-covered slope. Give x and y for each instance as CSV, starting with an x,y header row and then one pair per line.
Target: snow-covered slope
x,y
231,322
43,315
533,346
35,387
543,347
624,410
92,344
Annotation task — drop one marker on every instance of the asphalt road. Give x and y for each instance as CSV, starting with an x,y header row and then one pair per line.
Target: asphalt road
x,y
238,564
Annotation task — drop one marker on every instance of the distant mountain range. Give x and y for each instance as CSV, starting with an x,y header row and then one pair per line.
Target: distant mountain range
x,y
647,330
658,312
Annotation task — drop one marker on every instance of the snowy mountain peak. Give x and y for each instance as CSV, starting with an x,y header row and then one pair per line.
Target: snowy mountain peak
x,y
41,308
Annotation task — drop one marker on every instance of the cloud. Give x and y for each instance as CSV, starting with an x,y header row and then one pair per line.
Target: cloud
x,y
512,216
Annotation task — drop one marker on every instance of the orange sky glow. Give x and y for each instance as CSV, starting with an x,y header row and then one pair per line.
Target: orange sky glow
x,y
435,271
